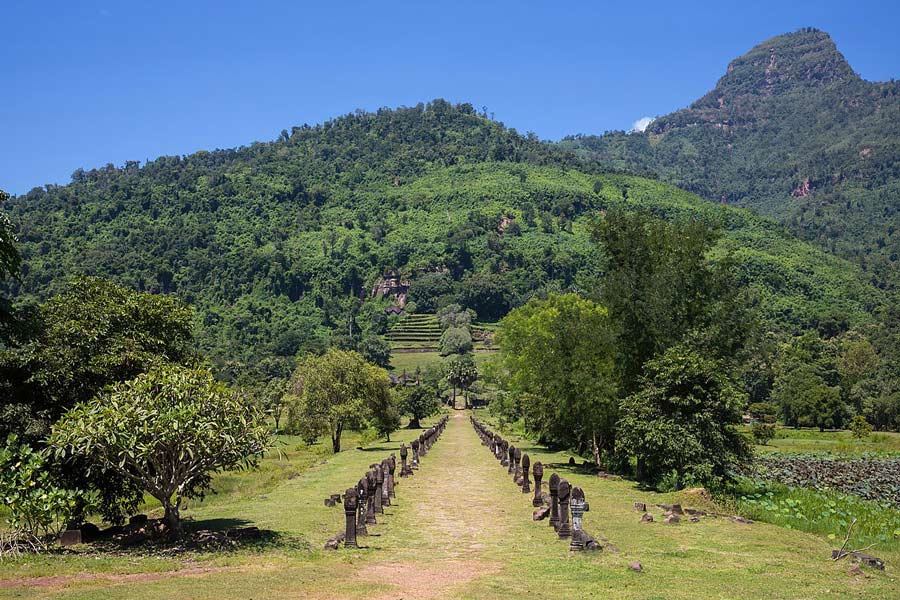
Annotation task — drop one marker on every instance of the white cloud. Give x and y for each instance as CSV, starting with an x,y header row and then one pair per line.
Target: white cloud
x,y
641,124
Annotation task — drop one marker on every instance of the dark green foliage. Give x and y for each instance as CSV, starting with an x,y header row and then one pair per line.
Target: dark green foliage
x,y
419,402
762,432
275,244
660,287
94,334
791,131
680,426
376,350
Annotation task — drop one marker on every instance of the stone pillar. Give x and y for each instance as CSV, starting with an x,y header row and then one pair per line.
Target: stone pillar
x,y
405,471
392,466
554,501
565,529
370,507
538,471
351,503
362,489
526,477
504,450
385,494
578,506
512,460
379,488
517,471
415,456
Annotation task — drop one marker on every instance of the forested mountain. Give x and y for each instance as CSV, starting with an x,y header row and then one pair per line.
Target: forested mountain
x,y
278,244
792,132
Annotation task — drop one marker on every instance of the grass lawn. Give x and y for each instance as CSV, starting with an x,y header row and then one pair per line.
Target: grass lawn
x,y
836,442
460,529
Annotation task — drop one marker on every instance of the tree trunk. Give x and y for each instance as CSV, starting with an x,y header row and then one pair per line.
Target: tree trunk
x,y
454,397
336,439
596,450
172,518
414,423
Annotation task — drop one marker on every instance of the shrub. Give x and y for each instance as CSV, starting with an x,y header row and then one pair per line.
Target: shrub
x,y
860,427
37,505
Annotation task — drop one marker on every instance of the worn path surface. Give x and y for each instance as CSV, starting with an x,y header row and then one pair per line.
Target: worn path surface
x,y
460,528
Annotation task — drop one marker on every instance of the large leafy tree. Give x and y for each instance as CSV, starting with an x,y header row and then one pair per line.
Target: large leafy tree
x,y
681,423
419,402
337,391
167,431
10,261
460,371
94,334
660,287
559,355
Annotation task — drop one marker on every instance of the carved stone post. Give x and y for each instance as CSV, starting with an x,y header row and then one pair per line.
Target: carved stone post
x,y
415,456
370,507
517,471
538,471
385,494
565,529
362,489
351,503
512,460
392,466
405,471
578,507
554,501
504,451
526,477
379,488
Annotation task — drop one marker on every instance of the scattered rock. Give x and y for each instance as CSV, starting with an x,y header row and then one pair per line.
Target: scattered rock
x,y
541,513
636,566
694,519
640,506
855,571
647,518
676,508
672,518
738,519
572,461
859,557
329,502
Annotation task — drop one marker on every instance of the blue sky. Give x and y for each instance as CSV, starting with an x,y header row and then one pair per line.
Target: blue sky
x,y
86,83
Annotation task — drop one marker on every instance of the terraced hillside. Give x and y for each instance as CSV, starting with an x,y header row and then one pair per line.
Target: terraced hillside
x,y
415,333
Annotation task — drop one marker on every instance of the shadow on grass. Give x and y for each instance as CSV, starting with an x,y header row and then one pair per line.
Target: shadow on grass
x,y
207,536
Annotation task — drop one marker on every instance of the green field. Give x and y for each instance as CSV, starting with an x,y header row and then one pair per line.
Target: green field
x,y
814,441
460,529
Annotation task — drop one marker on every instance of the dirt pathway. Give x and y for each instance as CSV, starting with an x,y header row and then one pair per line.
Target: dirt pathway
x,y
451,526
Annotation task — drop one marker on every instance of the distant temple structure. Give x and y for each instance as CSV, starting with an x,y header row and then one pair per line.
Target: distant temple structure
x,y
390,284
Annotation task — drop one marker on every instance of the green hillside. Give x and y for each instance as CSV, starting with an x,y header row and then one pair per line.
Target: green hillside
x,y
793,132
278,245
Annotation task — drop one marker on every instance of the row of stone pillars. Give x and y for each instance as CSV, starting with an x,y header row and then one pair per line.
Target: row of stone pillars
x,y
375,489
562,502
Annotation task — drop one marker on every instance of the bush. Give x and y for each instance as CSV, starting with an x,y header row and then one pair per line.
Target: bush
x,y
37,505
860,427
456,340
762,432
682,421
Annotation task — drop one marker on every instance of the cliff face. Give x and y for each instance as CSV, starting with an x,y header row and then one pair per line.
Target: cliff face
x,y
790,64
790,130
